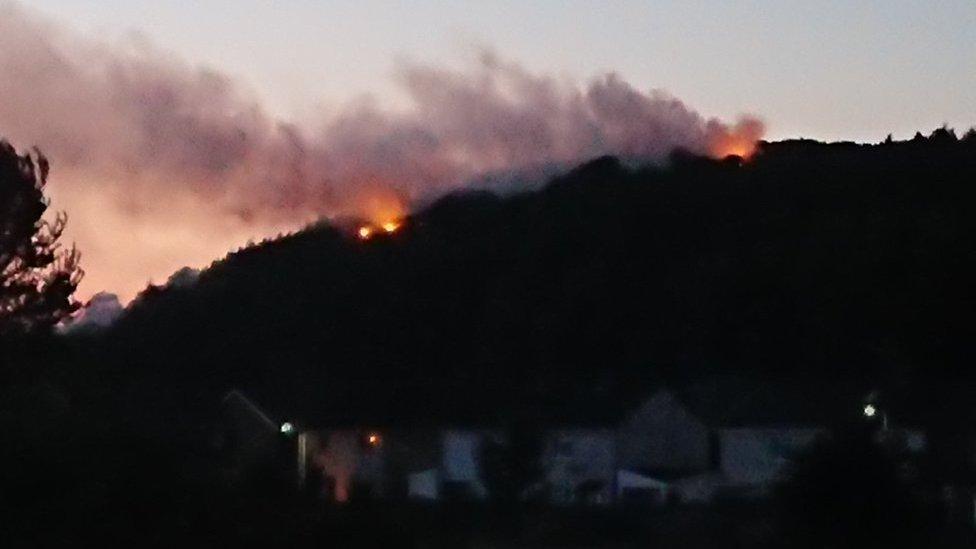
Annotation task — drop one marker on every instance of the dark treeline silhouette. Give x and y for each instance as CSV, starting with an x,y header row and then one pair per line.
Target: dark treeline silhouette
x,y
843,265
860,488
833,269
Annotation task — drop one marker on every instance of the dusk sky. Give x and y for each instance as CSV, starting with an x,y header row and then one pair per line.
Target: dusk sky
x,y
179,131
829,70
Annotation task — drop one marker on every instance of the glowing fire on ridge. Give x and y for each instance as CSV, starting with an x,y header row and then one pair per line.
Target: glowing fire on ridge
x,y
365,232
740,140
382,211
741,150
734,146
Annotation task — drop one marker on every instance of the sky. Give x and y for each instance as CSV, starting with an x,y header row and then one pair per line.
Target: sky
x,y
833,69
179,131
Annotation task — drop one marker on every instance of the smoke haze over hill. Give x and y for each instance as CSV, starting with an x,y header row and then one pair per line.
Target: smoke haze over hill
x,y
161,164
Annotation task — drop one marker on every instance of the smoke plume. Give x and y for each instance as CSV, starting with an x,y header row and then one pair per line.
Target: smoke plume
x,y
161,164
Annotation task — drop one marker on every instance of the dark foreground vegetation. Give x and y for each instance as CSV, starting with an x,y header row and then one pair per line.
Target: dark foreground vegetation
x,y
833,269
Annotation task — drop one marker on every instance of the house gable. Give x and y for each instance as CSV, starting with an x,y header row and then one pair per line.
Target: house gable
x,y
663,435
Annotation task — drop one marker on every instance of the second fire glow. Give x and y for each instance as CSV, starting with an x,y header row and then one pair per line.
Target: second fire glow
x,y
366,231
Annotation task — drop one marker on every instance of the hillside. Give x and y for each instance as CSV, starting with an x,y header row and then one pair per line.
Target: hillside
x,y
833,265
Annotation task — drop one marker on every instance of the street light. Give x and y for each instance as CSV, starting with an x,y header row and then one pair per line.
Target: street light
x,y
287,428
870,411
374,439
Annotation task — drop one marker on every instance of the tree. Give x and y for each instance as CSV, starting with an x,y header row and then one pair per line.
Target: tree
x,y
511,467
37,275
858,488
943,136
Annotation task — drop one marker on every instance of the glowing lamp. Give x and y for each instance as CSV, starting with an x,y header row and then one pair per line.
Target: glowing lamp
x,y
374,439
365,232
391,226
287,428
870,410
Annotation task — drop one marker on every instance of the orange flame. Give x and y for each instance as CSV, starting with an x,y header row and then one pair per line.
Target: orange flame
x,y
736,148
381,209
366,232
739,140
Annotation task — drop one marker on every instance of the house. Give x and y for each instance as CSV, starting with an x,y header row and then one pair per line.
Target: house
x,y
667,453
351,462
247,439
660,490
753,459
761,429
634,487
460,466
425,464
412,463
675,447
342,463
721,439
579,464
661,452
424,485
339,462
758,430
663,435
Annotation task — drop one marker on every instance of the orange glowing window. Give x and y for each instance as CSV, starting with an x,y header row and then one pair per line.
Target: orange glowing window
x,y
391,226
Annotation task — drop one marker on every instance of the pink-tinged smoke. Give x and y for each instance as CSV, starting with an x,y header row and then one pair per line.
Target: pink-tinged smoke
x,y
160,164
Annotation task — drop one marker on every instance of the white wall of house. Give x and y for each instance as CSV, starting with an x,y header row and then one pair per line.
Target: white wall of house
x,y
423,485
761,456
461,459
640,488
632,487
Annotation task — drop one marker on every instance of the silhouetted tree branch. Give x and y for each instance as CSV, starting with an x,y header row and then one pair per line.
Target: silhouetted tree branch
x,y
37,275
